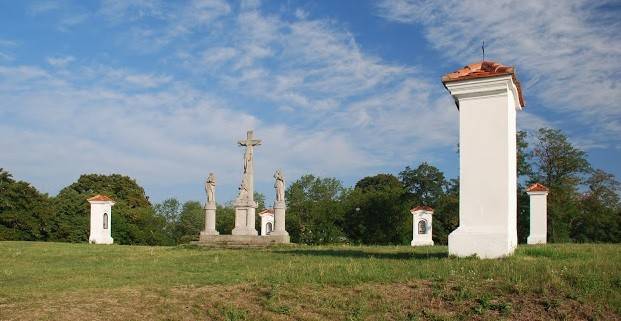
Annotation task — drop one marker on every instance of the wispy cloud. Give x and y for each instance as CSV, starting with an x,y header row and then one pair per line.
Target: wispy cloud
x,y
41,7
171,20
568,53
60,62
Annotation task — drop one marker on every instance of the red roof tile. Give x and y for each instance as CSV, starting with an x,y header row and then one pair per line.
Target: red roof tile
x,y
267,210
99,198
421,208
537,188
484,69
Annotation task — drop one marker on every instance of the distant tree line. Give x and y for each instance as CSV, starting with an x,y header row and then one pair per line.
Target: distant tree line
x,y
583,204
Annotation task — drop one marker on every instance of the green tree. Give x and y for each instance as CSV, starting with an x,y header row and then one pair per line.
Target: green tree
x,y
133,219
426,184
315,210
191,222
225,219
524,169
24,212
169,210
600,214
446,214
560,166
377,211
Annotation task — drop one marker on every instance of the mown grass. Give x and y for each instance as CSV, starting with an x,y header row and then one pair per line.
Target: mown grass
x,y
82,281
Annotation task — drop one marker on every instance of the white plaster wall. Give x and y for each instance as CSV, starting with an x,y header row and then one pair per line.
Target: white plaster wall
x,y
422,239
98,234
538,218
488,177
266,218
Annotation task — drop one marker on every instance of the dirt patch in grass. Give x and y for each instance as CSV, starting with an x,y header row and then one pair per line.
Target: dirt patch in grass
x,y
416,300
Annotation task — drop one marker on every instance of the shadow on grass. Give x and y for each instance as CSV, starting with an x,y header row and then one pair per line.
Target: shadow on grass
x,y
366,254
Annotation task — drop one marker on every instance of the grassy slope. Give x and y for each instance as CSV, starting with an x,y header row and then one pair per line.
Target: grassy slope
x,y
81,281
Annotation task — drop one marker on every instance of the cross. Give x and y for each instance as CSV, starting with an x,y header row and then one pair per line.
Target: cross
x,y
248,181
249,142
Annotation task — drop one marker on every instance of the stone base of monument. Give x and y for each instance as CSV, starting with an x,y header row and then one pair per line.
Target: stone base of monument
x,y
241,241
421,243
244,218
536,239
486,244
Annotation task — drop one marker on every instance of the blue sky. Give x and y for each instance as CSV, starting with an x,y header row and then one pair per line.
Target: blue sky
x,y
162,90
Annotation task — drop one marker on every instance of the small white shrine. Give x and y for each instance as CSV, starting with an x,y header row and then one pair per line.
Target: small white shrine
x,y
267,221
538,214
101,218
488,96
422,226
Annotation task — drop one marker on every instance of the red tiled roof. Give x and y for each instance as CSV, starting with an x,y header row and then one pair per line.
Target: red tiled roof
x,y
421,208
99,198
537,188
484,69
267,210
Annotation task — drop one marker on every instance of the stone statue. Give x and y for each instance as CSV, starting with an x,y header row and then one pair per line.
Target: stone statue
x,y
210,189
279,185
243,189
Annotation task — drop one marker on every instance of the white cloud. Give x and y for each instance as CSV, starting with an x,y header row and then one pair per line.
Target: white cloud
x,y
173,21
567,53
41,7
217,56
7,43
5,56
171,136
69,21
60,62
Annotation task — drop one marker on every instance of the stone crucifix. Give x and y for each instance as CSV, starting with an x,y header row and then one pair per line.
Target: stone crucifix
x,y
248,181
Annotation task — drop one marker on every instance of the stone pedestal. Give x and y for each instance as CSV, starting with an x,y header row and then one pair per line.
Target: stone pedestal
x,y
488,96
245,218
279,220
210,220
538,214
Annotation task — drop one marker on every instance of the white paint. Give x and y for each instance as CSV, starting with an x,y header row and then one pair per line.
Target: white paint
x,y
538,218
488,177
266,218
424,218
101,210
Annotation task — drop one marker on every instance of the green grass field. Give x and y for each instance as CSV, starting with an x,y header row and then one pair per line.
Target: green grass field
x,y
89,282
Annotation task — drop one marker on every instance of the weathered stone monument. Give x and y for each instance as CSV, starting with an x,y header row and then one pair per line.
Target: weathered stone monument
x,y
244,233
487,95
538,214
210,206
101,219
280,207
422,217
245,206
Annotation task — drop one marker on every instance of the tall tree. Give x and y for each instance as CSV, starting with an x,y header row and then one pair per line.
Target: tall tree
x,y
169,210
560,166
24,212
191,222
315,210
133,218
524,170
558,163
377,212
426,183
600,211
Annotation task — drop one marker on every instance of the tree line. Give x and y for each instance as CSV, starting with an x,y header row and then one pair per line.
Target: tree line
x,y
583,204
